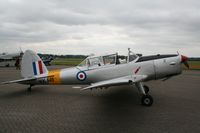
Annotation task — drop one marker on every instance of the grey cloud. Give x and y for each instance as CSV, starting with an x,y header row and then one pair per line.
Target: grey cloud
x,y
161,23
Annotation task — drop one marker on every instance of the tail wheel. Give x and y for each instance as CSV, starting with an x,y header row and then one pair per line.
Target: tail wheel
x,y
147,100
146,89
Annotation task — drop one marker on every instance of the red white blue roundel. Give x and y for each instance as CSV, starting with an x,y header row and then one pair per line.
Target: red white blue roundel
x,y
81,76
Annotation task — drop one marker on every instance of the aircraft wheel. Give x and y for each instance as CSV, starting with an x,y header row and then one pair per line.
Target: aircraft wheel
x,y
147,100
146,89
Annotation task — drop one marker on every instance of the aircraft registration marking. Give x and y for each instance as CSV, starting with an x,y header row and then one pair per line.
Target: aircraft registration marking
x,y
54,77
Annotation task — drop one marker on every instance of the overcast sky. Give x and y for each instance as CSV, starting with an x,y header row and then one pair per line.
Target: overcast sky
x,y
100,26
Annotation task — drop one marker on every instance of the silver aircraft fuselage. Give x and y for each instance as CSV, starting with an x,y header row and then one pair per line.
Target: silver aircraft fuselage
x,y
155,68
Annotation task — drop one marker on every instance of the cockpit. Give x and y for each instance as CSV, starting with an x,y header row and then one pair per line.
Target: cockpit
x,y
108,60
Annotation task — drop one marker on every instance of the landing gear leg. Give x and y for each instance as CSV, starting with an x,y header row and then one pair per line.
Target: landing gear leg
x,y
146,89
29,88
146,99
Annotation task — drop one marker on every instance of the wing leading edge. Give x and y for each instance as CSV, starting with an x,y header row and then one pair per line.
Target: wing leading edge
x,y
117,81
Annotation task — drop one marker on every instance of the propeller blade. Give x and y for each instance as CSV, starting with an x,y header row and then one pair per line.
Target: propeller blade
x,y
186,64
184,60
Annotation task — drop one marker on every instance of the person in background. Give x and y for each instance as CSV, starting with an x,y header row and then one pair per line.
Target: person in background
x,y
17,64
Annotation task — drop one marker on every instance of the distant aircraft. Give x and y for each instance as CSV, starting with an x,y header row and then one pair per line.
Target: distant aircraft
x,y
9,59
47,61
104,71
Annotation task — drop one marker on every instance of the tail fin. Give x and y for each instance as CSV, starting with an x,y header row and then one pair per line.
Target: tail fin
x,y
32,65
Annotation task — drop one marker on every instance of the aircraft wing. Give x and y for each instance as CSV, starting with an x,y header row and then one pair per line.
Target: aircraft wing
x,y
117,81
25,79
5,58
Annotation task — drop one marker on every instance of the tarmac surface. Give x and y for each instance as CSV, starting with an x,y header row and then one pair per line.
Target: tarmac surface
x,y
62,108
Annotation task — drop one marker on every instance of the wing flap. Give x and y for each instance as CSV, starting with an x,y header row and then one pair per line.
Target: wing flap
x,y
118,81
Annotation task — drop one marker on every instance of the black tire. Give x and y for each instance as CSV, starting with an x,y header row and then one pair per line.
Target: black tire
x,y
146,89
147,100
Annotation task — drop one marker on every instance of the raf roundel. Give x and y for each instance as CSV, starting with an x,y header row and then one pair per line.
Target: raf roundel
x,y
81,76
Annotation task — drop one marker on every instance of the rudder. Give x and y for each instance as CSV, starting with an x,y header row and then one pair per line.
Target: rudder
x,y
32,65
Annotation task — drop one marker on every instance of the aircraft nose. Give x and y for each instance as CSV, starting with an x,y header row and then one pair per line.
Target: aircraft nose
x,y
184,58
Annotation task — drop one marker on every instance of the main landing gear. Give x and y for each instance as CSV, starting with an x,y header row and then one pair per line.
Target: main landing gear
x,y
146,99
29,88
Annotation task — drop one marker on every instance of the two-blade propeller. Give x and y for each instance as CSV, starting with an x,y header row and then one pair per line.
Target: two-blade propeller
x,y
184,60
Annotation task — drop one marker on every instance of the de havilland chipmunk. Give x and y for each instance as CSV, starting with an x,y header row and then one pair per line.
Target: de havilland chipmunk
x,y
104,71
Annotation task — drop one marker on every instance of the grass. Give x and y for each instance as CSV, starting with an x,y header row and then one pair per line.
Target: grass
x,y
194,65
194,62
67,61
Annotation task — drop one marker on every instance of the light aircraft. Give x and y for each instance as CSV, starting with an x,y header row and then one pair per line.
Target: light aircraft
x,y
47,61
9,59
103,72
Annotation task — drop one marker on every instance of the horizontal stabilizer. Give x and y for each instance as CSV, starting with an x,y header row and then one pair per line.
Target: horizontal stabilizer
x,y
25,79
32,69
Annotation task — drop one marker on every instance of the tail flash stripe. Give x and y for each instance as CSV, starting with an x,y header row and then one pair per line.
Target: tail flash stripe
x,y
40,66
34,68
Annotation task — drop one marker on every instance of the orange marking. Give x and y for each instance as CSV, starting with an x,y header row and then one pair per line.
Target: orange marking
x,y
54,77
195,66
